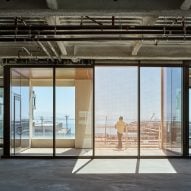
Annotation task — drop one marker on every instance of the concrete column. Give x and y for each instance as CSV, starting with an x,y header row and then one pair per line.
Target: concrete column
x,y
84,119
30,113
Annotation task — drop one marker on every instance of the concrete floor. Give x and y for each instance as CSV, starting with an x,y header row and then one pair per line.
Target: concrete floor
x,y
97,174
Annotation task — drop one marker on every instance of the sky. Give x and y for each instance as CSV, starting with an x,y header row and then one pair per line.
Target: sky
x,y
65,102
117,92
115,95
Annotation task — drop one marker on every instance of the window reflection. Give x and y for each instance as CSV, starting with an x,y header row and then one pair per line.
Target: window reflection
x,y
161,109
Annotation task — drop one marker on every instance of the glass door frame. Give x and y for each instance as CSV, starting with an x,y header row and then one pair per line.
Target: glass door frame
x,y
2,119
185,110
17,98
7,109
184,93
138,108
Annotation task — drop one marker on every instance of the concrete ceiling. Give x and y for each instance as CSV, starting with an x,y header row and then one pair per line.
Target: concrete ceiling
x,y
92,7
74,12
119,49
115,4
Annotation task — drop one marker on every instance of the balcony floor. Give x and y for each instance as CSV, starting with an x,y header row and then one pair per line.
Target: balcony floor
x,y
98,152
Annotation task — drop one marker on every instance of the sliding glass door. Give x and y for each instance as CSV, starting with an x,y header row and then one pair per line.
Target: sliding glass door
x,y
172,111
116,102
115,111
41,110
161,111
189,111
31,111
150,111
19,124
36,93
122,95
74,116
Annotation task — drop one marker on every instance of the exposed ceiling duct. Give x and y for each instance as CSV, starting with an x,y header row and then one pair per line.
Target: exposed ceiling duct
x,y
45,50
95,37
53,50
93,32
55,21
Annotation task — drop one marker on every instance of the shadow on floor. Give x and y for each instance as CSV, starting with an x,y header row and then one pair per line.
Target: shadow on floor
x,y
70,174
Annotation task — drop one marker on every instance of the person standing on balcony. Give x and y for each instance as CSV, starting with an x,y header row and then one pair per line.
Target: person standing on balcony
x,y
121,127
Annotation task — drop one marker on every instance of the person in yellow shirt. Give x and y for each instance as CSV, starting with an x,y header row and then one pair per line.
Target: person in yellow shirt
x,y
121,127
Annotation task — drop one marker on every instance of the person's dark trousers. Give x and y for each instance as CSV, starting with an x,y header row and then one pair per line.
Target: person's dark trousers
x,y
119,135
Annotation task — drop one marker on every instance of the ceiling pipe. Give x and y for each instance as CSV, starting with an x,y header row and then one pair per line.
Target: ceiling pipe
x,y
94,20
53,50
55,33
104,39
95,27
45,50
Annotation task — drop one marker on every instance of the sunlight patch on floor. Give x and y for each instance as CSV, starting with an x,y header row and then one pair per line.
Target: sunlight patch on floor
x,y
121,166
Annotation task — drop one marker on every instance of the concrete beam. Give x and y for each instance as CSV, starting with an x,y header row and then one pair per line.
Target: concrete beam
x,y
186,5
91,5
121,4
52,4
23,4
136,48
102,50
45,50
149,20
63,12
110,58
53,50
138,44
61,45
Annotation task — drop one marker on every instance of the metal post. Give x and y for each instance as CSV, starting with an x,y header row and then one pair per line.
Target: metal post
x,y
7,122
93,111
138,111
185,111
161,130
105,128
54,111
